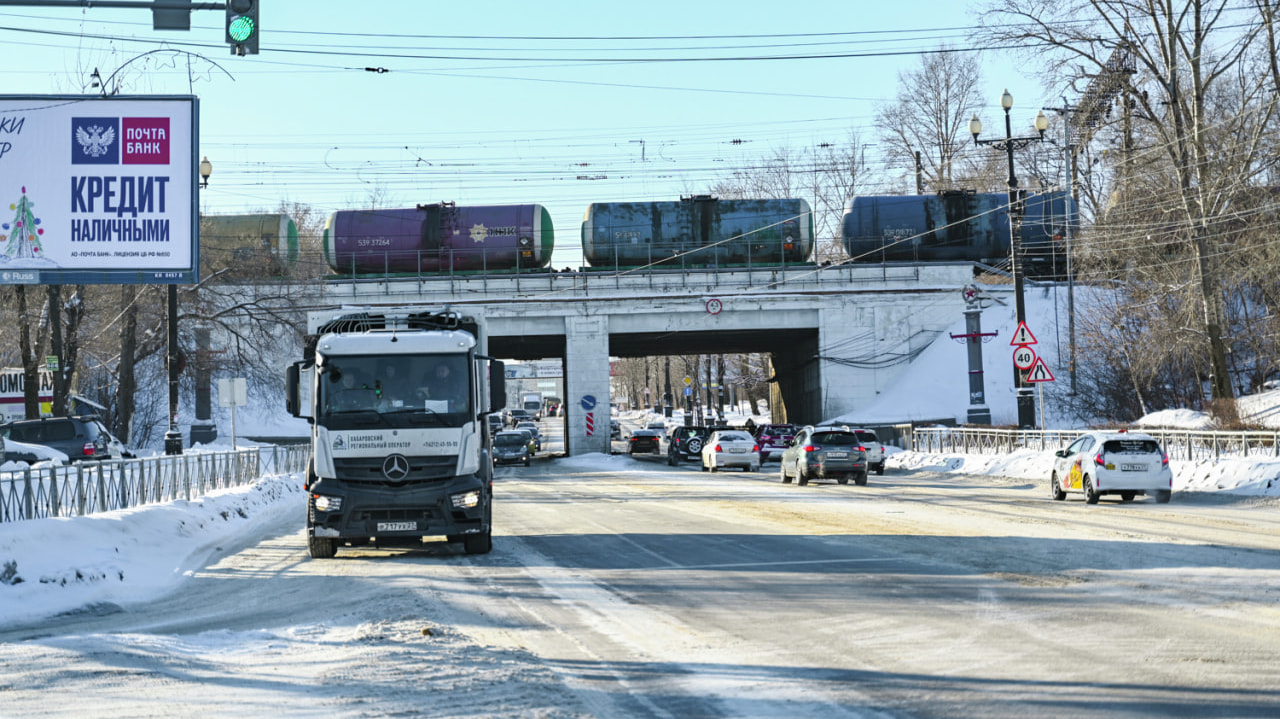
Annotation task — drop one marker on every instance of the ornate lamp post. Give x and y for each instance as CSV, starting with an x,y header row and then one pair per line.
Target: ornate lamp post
x,y
1026,400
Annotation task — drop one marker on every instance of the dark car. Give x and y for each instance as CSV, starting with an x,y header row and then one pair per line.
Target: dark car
x,y
644,440
774,439
495,423
532,429
80,438
686,442
517,416
825,453
511,448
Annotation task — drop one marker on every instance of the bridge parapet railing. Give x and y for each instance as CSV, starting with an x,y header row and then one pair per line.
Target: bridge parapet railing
x,y
1179,444
604,282
89,487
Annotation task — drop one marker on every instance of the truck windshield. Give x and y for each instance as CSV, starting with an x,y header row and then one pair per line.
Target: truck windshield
x,y
394,391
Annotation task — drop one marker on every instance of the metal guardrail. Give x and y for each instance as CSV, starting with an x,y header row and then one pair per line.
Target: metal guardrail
x,y
1180,444
89,487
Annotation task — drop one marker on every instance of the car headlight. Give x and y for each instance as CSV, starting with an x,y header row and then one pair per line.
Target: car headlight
x,y
466,500
325,503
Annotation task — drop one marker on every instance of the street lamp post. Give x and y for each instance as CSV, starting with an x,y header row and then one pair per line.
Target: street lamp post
x,y
1026,400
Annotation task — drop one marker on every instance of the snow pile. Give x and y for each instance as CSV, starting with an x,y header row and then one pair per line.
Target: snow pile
x,y
1177,419
48,566
1247,476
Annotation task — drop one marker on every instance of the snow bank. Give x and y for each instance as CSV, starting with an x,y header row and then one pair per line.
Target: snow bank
x,y
49,566
1246,476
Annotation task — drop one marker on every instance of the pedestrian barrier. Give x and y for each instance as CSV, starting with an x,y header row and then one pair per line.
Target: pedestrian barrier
x,y
89,487
1179,444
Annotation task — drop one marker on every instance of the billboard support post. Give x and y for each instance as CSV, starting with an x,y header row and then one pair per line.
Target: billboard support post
x,y
173,438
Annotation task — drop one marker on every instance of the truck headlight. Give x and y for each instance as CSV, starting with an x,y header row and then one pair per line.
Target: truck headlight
x,y
466,500
325,503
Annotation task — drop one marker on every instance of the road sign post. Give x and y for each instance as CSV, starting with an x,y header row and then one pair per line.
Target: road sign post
x,y
1022,338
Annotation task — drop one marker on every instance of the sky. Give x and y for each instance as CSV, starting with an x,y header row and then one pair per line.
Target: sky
x,y
505,102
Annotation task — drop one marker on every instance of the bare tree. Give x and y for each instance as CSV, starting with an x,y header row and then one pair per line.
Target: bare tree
x,y
1188,87
929,118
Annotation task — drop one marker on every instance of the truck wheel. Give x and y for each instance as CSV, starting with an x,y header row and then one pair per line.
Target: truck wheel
x,y
478,543
1163,496
322,547
860,479
1127,496
1090,494
1055,488
880,468
802,477
782,471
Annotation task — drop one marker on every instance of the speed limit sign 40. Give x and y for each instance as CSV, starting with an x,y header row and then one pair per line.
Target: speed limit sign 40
x,y
1024,357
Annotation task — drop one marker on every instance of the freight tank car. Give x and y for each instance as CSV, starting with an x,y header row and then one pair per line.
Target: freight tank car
x,y
954,226
699,231
262,244
437,238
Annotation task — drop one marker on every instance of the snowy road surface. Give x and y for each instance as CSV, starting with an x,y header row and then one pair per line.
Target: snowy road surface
x,y
620,587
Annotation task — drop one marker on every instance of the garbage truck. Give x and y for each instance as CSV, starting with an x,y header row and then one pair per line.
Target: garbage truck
x,y
397,399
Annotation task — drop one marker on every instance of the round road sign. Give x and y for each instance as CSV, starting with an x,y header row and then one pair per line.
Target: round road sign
x,y
1024,357
714,306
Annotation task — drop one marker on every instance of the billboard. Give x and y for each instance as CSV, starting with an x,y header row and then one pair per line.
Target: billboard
x,y
98,190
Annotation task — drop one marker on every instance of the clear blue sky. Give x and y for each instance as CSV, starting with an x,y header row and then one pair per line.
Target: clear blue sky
x,y
504,102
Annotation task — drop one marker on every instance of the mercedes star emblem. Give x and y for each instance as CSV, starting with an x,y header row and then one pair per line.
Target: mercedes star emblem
x,y
396,467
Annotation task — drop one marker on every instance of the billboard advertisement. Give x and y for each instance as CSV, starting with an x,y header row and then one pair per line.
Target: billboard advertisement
x,y
98,190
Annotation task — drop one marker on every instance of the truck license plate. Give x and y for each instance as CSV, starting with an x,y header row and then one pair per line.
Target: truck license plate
x,y
397,526
1133,468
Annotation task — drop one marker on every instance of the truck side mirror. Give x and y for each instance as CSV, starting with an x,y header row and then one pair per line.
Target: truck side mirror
x,y
291,388
297,389
497,386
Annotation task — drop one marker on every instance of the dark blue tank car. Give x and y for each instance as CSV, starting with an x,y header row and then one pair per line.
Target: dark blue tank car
x,y
700,231
960,226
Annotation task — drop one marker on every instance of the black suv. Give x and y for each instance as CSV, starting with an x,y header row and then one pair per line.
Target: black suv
x,y
84,437
686,442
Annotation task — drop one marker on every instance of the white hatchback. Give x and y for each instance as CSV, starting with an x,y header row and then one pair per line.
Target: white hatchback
x,y
1119,462
730,448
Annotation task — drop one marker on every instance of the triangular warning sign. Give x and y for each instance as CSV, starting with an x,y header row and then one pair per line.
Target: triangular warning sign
x,y
1039,372
1023,336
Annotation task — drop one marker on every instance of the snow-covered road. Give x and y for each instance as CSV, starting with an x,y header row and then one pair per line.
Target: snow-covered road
x,y
620,587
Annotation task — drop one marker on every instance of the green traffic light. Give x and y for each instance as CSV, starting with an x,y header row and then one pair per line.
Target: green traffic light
x,y
241,28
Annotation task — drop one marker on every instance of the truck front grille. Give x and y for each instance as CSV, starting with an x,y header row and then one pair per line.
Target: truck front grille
x,y
422,470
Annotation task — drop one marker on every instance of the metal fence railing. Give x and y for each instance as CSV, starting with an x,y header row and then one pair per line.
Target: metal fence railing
x,y
1180,444
89,487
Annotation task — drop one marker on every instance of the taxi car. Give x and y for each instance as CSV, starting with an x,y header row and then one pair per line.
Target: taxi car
x,y
1112,462
730,448
825,453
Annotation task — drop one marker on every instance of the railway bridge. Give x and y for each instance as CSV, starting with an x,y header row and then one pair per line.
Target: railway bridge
x,y
837,335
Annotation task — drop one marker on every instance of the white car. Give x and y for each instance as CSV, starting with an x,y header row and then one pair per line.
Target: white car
x,y
1119,462
730,448
874,450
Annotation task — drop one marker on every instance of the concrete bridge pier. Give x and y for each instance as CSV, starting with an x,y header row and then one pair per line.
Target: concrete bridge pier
x,y
586,384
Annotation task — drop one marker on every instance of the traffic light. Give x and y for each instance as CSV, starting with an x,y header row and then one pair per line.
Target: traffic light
x,y
242,26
